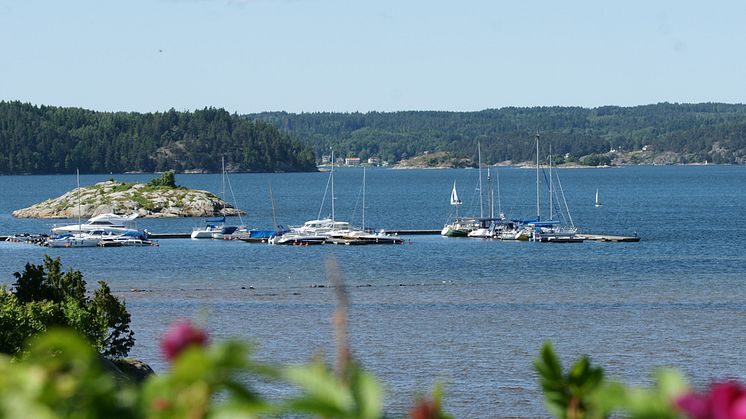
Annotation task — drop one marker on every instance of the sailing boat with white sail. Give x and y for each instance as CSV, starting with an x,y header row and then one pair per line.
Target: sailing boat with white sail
x,y
460,226
599,204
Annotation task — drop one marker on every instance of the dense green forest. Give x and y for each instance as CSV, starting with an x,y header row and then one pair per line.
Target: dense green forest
x,y
49,139
694,132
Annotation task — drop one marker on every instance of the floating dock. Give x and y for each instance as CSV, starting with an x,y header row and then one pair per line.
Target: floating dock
x,y
170,235
604,238
413,232
592,237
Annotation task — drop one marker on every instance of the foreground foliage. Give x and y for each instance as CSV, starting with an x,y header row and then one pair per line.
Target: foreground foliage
x,y
582,392
44,296
62,376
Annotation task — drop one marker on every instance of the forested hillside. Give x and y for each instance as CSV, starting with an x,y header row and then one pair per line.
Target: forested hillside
x,y
694,132
48,139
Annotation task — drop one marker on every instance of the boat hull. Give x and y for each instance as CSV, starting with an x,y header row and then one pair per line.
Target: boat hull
x,y
453,232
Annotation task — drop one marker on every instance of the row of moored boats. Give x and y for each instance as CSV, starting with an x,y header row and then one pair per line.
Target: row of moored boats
x,y
105,230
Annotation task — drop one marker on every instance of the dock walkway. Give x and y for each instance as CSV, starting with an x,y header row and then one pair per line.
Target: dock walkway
x,y
604,238
592,237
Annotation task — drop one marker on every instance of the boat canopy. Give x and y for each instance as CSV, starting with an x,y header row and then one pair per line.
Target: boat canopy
x,y
262,234
229,229
529,221
543,223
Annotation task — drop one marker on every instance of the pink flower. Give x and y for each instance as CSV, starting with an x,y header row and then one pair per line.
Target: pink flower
x,y
726,400
179,336
696,406
424,409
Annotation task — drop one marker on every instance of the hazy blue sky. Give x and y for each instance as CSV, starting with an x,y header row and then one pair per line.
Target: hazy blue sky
x,y
347,55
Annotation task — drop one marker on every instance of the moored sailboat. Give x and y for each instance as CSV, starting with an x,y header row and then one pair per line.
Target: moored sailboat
x,y
460,226
216,228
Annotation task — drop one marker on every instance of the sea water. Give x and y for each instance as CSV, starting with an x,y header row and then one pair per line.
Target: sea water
x,y
469,313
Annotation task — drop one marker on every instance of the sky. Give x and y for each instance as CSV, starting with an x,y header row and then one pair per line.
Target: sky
x,y
387,55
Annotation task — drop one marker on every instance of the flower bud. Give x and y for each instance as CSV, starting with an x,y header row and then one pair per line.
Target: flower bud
x,y
179,336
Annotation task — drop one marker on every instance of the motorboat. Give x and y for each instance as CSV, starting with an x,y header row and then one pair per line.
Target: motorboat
x,y
551,232
110,222
362,237
126,239
225,233
213,229
298,239
322,227
260,236
487,228
90,239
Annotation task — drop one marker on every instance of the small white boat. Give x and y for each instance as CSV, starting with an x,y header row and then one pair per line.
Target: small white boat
x,y
74,240
598,201
108,222
297,239
216,229
127,239
364,237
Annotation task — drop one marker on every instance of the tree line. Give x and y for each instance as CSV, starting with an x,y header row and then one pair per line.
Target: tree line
x,y
708,131
50,139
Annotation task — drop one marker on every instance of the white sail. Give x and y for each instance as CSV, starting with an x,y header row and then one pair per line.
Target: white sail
x,y
598,202
454,196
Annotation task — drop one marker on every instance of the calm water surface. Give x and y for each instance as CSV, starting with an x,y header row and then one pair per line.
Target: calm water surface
x,y
470,313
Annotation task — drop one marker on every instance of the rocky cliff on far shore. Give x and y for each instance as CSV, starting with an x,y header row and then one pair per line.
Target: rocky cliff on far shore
x,y
127,198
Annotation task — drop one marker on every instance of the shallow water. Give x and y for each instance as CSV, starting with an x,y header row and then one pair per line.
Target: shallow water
x,y
470,313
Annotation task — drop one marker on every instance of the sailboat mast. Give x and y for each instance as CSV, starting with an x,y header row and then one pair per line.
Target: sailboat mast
x,y
77,176
499,203
222,159
332,180
551,186
490,198
538,210
481,205
363,198
272,199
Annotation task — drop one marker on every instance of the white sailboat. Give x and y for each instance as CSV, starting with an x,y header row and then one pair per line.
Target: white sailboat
x,y
319,230
460,226
550,230
361,236
215,229
486,228
598,201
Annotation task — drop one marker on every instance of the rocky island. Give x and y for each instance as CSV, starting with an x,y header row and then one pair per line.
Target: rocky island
x,y
156,199
436,160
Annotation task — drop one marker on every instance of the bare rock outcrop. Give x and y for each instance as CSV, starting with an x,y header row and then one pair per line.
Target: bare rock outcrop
x,y
127,198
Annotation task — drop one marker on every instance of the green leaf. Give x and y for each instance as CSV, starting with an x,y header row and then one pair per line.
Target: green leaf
x,y
368,394
323,390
